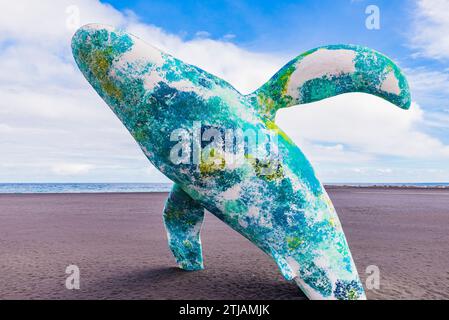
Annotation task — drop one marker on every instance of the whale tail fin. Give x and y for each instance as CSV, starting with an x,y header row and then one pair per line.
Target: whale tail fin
x,y
329,71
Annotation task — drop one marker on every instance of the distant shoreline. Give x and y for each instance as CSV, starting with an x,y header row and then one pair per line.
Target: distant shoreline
x,y
388,186
99,188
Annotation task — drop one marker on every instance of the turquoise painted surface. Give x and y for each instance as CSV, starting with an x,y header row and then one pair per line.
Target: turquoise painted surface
x,y
285,211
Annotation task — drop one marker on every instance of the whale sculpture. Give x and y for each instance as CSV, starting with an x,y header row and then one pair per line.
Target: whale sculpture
x,y
224,152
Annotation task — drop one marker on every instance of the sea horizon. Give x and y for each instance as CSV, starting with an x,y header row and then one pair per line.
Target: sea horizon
x,y
142,187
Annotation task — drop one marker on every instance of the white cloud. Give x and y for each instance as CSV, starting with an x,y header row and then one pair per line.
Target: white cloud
x,y
229,36
431,36
70,169
53,126
368,124
424,79
202,34
431,88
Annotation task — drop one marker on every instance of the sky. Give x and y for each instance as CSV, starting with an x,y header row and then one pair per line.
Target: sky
x,y
55,128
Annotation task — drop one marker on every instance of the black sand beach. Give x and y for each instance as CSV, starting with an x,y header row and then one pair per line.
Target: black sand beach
x,y
119,243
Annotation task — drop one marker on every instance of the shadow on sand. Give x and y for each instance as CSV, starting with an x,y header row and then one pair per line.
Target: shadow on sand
x,y
174,283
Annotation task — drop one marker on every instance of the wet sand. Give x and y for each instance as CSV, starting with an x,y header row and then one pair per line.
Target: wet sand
x,y
119,243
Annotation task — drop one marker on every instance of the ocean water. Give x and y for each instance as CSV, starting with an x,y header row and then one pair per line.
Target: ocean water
x,y
83,187
396,184
152,187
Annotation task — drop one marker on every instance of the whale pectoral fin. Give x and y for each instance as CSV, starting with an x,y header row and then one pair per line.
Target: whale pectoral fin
x,y
183,218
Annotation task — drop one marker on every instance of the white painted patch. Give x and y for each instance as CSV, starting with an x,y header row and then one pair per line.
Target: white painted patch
x,y
321,63
141,52
310,292
391,84
232,193
243,223
151,80
185,85
294,265
253,212
297,184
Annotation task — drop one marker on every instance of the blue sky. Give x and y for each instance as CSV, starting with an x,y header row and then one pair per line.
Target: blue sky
x,y
53,127
290,26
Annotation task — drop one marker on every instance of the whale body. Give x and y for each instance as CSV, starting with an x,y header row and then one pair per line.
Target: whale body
x,y
172,108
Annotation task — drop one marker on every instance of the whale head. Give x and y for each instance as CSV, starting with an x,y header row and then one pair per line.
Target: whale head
x,y
119,66
142,83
